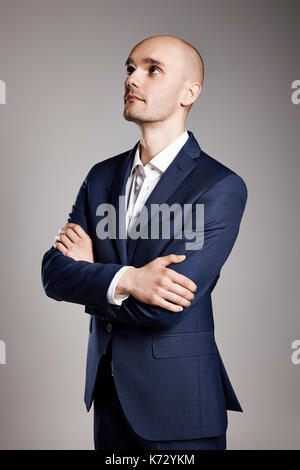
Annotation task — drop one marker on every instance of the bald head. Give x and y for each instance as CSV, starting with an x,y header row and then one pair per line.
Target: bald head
x,y
166,73
192,63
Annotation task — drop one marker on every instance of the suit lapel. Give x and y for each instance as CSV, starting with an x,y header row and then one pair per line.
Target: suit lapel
x,y
118,189
182,165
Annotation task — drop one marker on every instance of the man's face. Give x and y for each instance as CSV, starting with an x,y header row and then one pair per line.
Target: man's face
x,y
157,82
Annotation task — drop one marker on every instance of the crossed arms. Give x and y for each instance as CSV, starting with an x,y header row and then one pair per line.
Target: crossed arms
x,y
156,293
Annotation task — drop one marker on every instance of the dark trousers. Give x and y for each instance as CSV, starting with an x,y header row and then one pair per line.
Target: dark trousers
x,y
112,430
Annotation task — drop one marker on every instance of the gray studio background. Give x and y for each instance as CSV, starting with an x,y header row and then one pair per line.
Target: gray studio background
x,y
63,65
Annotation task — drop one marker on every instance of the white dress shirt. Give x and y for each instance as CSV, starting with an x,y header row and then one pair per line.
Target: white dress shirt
x,y
141,182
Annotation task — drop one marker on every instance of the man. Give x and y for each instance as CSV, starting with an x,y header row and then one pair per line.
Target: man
x,y
153,371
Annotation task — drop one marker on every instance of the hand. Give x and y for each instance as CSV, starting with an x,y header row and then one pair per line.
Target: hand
x,y
155,284
75,243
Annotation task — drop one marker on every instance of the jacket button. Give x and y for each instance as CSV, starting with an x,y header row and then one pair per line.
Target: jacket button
x,y
109,327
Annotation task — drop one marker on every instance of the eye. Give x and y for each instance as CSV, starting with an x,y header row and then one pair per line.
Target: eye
x,y
127,70
130,68
154,67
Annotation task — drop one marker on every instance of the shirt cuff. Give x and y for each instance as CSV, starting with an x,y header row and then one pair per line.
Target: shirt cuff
x,y
111,297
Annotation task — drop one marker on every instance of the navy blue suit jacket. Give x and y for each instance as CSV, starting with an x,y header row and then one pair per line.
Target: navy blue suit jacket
x,y
169,375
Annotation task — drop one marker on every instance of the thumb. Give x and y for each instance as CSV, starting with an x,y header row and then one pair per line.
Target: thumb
x,y
169,259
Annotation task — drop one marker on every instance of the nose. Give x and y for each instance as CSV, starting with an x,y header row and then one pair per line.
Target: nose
x,y
132,80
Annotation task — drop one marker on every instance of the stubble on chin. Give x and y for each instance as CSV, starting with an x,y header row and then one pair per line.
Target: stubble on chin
x,y
134,116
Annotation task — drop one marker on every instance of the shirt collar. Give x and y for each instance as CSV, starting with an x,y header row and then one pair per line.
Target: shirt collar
x,y
162,160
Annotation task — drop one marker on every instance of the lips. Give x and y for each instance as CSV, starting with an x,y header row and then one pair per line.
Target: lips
x,y
133,98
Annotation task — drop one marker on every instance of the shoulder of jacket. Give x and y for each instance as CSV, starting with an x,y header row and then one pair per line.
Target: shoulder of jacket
x,y
220,171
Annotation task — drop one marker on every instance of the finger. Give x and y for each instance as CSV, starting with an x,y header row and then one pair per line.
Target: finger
x,y
63,229
66,241
169,259
182,280
179,290
176,299
78,230
59,246
169,306
71,235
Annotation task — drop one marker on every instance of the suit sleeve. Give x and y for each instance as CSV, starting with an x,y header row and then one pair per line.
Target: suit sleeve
x,y
73,281
224,204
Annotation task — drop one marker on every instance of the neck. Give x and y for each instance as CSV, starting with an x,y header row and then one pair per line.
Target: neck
x,y
154,139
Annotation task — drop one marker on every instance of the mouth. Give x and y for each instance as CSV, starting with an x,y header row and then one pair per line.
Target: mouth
x,y
131,98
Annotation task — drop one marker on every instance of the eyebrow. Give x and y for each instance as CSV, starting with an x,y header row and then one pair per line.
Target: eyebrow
x,y
146,60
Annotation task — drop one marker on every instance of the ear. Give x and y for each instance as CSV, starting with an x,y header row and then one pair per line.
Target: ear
x,y
191,93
